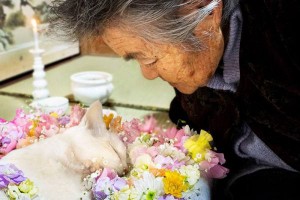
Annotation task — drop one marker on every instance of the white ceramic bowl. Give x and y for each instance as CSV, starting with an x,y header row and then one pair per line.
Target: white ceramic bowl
x,y
58,105
90,86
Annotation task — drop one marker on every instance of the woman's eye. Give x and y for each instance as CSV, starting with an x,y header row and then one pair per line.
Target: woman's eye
x,y
148,61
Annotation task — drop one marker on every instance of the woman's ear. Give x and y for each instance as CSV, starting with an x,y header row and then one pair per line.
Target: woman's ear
x,y
212,22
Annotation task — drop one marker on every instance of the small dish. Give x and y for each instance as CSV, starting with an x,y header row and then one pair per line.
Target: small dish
x,y
48,105
90,86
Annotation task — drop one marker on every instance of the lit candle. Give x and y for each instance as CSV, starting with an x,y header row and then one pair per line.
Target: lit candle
x,y
35,34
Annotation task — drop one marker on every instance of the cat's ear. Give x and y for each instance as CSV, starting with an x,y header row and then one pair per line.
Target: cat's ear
x,y
93,119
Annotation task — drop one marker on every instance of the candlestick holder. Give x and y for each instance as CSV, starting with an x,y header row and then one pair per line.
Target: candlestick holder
x,y
39,82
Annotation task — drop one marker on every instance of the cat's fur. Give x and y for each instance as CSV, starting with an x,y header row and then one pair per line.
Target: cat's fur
x,y
57,164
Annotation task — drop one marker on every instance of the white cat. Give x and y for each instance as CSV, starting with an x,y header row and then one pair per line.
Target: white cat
x,y
57,164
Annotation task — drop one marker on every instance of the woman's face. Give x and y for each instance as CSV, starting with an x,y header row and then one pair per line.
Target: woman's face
x,y
184,70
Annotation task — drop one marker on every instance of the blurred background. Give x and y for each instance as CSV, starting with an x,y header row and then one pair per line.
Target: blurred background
x,y
132,97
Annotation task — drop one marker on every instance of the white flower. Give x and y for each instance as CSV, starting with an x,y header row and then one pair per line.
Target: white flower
x,y
143,161
148,187
191,172
13,191
124,194
187,130
200,191
90,180
169,150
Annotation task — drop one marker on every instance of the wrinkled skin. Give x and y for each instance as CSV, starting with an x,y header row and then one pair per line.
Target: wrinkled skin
x,y
184,70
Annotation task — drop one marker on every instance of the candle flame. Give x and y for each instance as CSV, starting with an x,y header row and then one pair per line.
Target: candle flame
x,y
34,24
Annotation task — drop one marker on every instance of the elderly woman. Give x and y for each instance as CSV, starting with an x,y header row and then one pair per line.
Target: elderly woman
x,y
234,66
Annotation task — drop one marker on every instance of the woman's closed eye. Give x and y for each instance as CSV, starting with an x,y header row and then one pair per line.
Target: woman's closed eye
x,y
148,61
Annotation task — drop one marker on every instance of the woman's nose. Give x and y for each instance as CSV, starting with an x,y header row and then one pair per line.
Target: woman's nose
x,y
149,72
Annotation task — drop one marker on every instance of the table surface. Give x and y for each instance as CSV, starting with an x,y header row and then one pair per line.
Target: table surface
x,y
133,96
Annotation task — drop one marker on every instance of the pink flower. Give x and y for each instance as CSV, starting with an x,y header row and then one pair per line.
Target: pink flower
x,y
140,150
22,121
211,165
46,125
149,125
217,171
131,130
178,136
167,162
77,112
111,174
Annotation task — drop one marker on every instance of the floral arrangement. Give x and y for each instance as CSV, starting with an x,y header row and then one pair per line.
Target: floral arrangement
x,y
23,130
15,184
165,164
29,127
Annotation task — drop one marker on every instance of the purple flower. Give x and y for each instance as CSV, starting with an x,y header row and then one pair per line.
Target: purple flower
x,y
118,183
64,120
3,181
167,197
9,173
107,183
102,188
6,145
100,195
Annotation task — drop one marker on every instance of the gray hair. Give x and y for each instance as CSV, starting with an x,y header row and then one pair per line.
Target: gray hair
x,y
154,20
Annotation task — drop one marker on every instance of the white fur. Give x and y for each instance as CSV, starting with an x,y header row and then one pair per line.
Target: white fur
x,y
57,165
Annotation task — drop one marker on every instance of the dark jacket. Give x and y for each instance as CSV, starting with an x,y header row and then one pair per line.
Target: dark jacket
x,y
268,96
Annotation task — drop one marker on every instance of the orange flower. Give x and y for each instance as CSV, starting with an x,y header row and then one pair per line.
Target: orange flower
x,y
34,124
107,119
157,172
26,141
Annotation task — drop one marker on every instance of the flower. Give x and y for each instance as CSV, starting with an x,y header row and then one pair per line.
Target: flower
x,y
191,172
143,161
14,193
131,130
137,149
167,197
174,183
166,164
28,187
211,166
176,136
199,191
148,187
149,125
77,112
9,173
7,144
107,184
107,119
10,133
28,140
197,145
15,185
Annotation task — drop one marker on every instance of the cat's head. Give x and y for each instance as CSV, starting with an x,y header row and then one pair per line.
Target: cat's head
x,y
94,146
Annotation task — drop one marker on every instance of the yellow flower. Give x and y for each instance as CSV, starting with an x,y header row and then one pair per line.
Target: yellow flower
x,y
174,183
54,114
13,191
34,124
107,119
197,145
28,187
